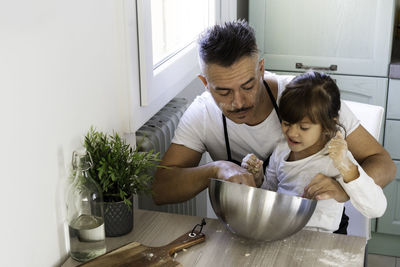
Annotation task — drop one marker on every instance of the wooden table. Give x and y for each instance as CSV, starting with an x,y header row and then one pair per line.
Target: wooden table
x,y
221,248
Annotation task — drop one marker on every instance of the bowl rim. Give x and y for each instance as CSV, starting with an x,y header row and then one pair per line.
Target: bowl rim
x,y
215,180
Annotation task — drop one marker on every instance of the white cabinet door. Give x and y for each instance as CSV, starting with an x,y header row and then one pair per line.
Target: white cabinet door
x,y
346,36
369,90
392,144
389,223
393,110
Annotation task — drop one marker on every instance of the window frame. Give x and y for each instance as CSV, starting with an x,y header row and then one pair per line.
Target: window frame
x,y
172,74
130,57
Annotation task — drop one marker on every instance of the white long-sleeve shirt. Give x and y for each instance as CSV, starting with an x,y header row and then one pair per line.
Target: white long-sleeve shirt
x,y
291,177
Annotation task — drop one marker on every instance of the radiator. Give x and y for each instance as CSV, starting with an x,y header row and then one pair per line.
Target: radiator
x,y
156,134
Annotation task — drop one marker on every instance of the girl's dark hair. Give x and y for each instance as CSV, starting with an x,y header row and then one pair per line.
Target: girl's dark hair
x,y
314,95
227,43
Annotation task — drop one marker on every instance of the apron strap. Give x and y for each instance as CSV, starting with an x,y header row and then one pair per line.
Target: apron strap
x,y
271,96
227,146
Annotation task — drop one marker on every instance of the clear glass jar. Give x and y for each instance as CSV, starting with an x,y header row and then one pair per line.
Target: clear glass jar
x,y
85,211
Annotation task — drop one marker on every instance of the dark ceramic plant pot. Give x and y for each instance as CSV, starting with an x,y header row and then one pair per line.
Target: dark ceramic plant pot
x,y
118,218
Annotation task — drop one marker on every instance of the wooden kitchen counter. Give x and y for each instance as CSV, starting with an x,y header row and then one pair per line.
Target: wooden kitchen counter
x,y
221,248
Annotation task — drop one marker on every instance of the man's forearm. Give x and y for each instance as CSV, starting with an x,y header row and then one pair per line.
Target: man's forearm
x,y
380,167
372,157
173,184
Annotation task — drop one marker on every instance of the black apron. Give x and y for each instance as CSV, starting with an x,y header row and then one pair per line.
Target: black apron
x,y
345,219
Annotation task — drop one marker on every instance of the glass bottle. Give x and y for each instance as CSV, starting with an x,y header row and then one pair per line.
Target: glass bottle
x,y
85,211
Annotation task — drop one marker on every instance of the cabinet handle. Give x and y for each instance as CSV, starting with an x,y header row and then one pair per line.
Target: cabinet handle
x,y
301,66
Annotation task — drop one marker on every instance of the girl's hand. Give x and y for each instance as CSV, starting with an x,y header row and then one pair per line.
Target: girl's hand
x,y
323,187
255,166
337,148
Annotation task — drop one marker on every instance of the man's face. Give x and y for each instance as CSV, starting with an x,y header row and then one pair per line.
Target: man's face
x,y
237,89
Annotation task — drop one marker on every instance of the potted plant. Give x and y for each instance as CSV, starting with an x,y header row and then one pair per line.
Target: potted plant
x,y
121,172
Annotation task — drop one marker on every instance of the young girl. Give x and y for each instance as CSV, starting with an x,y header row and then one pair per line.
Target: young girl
x,y
312,144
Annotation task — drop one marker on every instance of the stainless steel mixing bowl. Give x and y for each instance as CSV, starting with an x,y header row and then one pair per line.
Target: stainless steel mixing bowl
x,y
259,214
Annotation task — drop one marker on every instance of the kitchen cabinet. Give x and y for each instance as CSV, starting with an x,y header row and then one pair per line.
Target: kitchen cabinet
x,y
369,90
393,110
350,37
389,223
386,239
392,131
352,41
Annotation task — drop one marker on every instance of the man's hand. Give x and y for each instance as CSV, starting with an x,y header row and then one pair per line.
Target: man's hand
x,y
231,172
255,166
322,187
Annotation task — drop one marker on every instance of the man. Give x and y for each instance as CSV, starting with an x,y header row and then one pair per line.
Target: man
x,y
237,115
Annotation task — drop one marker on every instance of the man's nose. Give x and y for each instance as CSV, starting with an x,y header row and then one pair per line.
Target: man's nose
x,y
238,100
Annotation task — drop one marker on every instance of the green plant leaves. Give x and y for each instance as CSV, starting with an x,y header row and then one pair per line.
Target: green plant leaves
x,y
119,170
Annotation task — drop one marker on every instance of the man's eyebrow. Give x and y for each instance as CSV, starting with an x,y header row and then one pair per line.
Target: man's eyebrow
x,y
250,80
243,84
221,88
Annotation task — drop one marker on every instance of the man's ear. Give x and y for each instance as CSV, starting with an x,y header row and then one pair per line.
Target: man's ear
x,y
203,79
261,66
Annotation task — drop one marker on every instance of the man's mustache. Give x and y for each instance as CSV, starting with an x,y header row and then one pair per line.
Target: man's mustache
x,y
239,110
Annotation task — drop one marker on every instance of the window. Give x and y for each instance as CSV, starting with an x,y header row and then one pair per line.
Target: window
x,y
167,31
173,29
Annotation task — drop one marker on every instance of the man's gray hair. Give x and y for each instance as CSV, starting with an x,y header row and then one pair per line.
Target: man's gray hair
x,y
226,44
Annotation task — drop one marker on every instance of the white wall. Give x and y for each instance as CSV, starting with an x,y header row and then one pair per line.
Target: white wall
x,y
62,69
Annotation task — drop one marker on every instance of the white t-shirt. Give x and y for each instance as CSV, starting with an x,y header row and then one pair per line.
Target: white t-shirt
x,y
201,129
290,177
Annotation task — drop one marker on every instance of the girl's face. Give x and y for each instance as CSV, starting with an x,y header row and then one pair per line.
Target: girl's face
x,y
304,138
